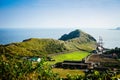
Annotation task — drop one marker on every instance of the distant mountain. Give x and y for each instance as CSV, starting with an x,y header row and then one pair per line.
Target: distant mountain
x,y
77,34
75,40
118,28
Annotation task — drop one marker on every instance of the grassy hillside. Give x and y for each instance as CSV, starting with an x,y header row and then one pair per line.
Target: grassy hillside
x,y
38,47
34,47
79,40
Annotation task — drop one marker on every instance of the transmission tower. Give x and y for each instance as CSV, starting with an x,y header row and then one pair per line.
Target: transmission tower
x,y
100,42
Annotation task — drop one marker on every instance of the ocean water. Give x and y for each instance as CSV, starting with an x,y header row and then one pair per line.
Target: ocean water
x,y
18,35
111,38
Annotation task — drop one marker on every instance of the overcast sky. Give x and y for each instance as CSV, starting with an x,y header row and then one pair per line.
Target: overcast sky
x,y
59,13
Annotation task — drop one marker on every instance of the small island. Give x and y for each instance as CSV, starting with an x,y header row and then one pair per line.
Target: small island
x,y
118,28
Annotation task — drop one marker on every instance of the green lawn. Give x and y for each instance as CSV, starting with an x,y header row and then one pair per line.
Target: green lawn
x,y
77,55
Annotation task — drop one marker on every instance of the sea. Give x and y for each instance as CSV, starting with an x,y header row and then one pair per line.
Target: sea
x,y
111,38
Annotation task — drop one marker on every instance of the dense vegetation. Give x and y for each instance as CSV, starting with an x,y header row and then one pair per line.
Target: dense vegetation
x,y
112,51
13,68
63,73
17,69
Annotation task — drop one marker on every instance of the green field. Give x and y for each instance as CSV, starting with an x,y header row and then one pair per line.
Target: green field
x,y
77,55
64,72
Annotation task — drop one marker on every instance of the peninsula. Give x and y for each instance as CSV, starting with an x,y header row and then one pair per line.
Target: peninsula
x,y
75,40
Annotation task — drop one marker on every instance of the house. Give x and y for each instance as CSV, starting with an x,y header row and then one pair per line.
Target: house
x,y
75,65
100,50
72,65
35,59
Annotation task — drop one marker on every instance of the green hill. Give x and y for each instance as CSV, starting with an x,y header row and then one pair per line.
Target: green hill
x,y
77,34
35,47
79,40
76,40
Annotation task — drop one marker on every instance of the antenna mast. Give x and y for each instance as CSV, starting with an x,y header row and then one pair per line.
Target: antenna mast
x,y
100,42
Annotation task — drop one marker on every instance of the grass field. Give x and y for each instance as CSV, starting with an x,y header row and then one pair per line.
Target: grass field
x,y
64,72
77,55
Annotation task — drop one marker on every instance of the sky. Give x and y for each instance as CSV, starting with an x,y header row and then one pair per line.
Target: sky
x,y
59,13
